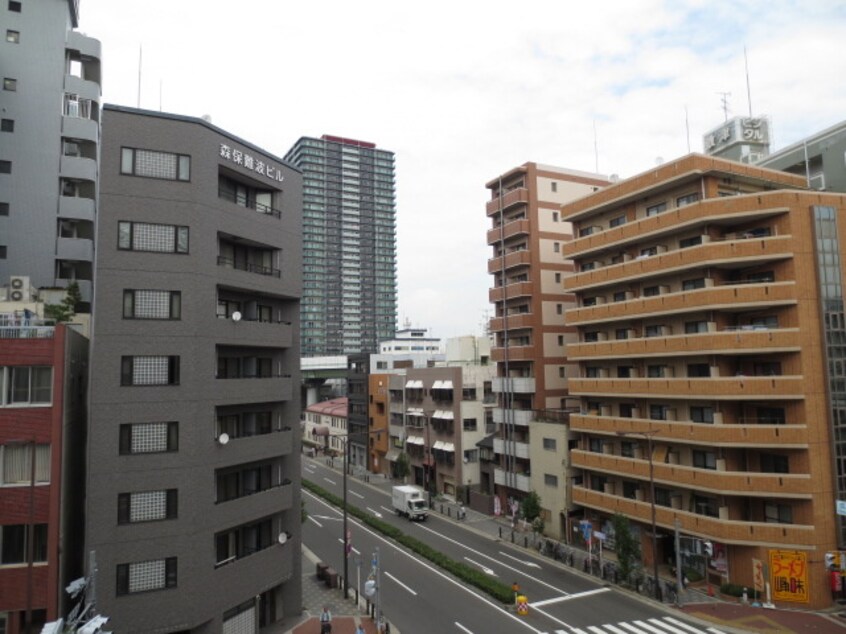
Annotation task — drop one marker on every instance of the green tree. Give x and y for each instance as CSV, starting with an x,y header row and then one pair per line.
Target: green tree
x,y
66,309
628,548
402,467
531,506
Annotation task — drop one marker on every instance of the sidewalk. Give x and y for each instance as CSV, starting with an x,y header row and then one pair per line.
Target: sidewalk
x,y
711,611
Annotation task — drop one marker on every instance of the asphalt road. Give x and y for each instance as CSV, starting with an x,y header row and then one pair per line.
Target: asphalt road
x,y
419,598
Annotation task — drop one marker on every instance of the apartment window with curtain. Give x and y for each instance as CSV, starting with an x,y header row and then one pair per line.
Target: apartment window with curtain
x,y
16,464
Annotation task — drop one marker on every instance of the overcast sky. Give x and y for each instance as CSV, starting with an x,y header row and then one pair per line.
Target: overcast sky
x,y
462,91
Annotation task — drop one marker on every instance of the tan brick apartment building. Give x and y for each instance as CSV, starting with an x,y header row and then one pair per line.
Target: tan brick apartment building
x,y
710,322
528,236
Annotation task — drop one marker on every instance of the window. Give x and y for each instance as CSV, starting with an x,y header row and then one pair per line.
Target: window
x,y
616,222
761,277
560,340
656,209
149,370
13,37
655,330
554,186
243,541
587,266
14,543
595,445
695,327
771,415
698,370
630,489
690,285
774,463
592,372
656,371
648,252
16,464
586,231
10,84
15,5
766,321
769,368
143,576
152,164
7,125
554,216
687,199
701,414
471,455
626,410
705,506
140,438
621,333
5,167
147,506
556,247
619,296
550,444
591,336
138,304
778,513
559,309
558,278
550,480
690,242
27,385
625,371
4,209
662,496
469,424
562,373
589,301
627,449
142,236
651,291
657,412
704,459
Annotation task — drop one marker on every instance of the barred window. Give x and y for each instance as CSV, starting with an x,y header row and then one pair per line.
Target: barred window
x,y
156,238
139,438
16,464
147,506
143,576
152,164
145,304
149,370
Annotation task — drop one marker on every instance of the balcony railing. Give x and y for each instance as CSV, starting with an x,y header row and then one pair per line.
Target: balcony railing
x,y
248,266
252,375
245,201
21,326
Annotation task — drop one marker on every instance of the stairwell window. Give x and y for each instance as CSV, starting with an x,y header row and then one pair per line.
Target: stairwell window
x,y
153,164
144,576
148,304
149,370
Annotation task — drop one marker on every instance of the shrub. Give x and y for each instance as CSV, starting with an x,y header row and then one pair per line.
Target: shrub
x,y
731,590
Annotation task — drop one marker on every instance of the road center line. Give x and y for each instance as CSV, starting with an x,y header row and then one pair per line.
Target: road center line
x,y
358,495
332,482
398,582
315,521
431,568
385,508
461,627
517,559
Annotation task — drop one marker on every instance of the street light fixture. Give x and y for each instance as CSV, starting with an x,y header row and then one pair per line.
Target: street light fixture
x,y
648,435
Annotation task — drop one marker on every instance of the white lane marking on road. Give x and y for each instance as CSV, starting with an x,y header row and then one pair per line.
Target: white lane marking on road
x,y
650,628
385,508
315,521
355,550
557,620
632,628
358,495
596,630
614,629
332,482
688,627
569,597
486,556
328,519
715,630
397,581
374,511
431,568
667,626
461,627
531,564
484,568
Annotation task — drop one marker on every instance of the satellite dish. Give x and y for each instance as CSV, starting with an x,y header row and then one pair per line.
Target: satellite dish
x,y
283,537
236,316
223,438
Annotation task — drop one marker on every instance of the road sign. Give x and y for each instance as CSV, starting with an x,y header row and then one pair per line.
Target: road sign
x,y
599,535
758,575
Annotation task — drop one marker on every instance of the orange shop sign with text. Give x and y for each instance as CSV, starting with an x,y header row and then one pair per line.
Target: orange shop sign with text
x,y
789,574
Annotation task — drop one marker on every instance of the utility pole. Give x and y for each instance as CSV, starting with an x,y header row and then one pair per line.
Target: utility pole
x,y
679,574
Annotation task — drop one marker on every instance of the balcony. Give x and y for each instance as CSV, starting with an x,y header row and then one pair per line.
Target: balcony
x,y
710,388
250,267
245,449
84,88
515,353
519,384
744,483
17,326
517,449
269,334
519,227
256,390
247,202
727,531
514,259
511,291
271,501
745,252
80,249
518,196
735,296
74,207
259,571
716,343
516,321
517,481
687,432
75,126
78,168
520,417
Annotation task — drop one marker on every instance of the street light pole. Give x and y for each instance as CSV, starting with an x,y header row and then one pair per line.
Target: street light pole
x,y
648,435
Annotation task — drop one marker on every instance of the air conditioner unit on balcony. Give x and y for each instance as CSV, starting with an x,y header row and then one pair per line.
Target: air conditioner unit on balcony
x,y
20,289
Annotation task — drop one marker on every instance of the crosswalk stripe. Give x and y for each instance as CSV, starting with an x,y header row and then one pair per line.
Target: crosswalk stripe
x,y
595,629
650,628
667,626
631,628
614,629
689,628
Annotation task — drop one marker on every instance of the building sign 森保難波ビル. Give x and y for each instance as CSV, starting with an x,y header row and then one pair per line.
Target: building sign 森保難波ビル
x,y
789,575
251,162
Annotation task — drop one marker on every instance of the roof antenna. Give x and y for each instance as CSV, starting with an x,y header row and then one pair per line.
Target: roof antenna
x,y
595,149
725,103
687,127
748,88
138,96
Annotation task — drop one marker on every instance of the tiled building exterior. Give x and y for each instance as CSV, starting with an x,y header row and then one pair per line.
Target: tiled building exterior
x,y
193,505
711,328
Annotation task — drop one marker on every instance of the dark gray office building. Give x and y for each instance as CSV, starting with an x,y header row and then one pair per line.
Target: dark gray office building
x,y
349,299
193,503
49,147
819,158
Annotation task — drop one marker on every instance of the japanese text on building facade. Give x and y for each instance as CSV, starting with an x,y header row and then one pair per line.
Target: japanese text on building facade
x,y
789,572
250,162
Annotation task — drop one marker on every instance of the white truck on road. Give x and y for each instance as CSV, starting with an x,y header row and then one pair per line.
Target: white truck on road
x,y
410,501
